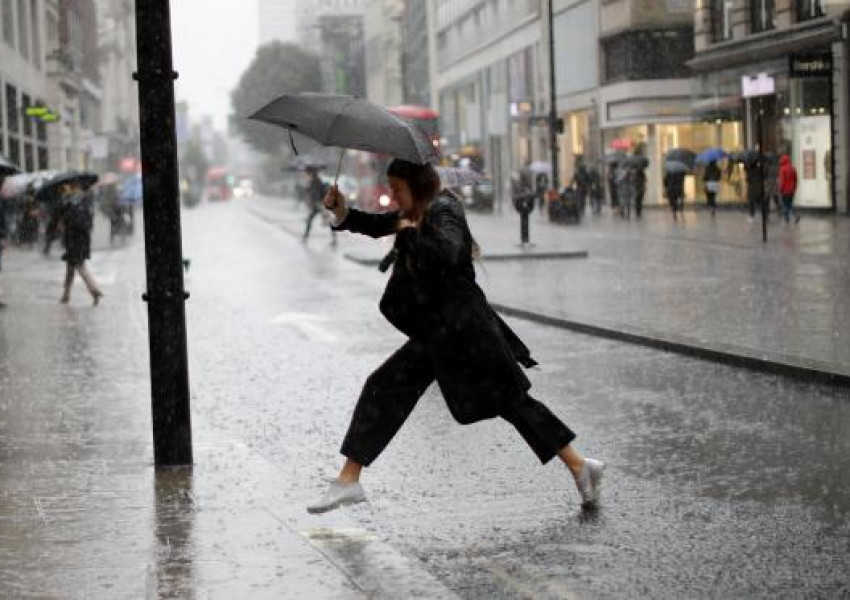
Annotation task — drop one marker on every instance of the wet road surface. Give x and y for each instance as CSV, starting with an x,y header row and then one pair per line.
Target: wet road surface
x,y
721,482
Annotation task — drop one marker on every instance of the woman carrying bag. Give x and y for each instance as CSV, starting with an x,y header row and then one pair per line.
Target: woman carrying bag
x,y
454,337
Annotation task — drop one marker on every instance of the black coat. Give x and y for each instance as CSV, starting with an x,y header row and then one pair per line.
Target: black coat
x,y
432,296
78,218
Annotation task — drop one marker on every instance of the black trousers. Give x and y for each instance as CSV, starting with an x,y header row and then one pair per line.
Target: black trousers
x,y
391,392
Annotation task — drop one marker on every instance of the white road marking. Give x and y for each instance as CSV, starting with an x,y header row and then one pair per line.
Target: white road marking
x,y
306,324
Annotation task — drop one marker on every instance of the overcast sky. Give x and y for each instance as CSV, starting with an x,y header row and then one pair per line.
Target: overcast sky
x,y
214,42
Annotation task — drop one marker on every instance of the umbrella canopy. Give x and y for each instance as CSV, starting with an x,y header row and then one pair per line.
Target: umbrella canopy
x,y
711,155
451,177
6,167
15,185
614,158
682,155
50,189
675,166
349,122
747,157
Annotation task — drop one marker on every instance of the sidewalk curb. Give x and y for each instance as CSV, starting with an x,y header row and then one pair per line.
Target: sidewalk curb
x,y
374,262
774,364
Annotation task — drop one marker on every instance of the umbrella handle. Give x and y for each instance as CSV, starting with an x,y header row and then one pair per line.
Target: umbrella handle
x,y
339,166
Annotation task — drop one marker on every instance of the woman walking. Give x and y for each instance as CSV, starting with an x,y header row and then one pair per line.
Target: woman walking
x,y
454,337
711,179
788,187
77,215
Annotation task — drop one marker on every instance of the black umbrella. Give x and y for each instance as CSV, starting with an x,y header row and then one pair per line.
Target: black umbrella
x,y
682,155
50,190
614,158
746,157
349,122
675,166
6,167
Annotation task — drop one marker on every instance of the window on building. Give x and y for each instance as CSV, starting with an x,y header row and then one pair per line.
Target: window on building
x,y
762,15
8,22
29,158
43,162
720,15
12,114
637,55
36,34
14,151
809,9
25,104
23,29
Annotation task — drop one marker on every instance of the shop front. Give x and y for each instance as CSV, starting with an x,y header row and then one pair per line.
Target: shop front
x,y
796,120
655,140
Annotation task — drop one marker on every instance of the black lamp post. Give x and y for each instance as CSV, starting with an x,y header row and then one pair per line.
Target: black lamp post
x,y
172,430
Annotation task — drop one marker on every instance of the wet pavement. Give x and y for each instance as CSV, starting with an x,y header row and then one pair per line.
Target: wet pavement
x,y
701,282
722,482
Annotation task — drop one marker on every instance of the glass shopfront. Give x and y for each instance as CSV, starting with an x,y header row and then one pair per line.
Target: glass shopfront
x,y
797,120
655,140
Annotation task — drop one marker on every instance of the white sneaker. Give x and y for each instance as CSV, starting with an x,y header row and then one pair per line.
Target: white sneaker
x,y
589,481
338,494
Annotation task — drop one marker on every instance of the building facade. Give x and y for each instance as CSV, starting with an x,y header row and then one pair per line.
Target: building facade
x,y
27,30
384,51
415,56
487,73
277,21
801,48
116,145
622,83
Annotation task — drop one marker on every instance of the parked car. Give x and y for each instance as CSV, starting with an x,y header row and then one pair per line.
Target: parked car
x,y
478,196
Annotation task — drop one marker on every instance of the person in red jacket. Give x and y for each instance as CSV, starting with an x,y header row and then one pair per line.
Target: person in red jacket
x,y
788,187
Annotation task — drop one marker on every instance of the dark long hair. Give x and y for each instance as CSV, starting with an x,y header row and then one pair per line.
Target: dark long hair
x,y
423,180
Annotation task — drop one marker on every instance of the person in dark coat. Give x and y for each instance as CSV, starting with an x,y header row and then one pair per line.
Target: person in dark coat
x,y
640,189
711,179
612,185
315,193
454,337
77,214
674,188
754,185
2,234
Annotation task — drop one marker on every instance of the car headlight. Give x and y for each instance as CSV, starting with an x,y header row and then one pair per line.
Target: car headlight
x,y
384,200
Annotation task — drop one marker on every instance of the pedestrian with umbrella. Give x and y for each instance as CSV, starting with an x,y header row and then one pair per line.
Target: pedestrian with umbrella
x,y
711,176
711,180
454,336
314,196
638,164
77,215
674,185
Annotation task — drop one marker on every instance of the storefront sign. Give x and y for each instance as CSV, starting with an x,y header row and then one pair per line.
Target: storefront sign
x,y
760,85
810,65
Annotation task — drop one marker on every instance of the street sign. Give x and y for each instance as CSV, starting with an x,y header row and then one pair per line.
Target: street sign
x,y
810,65
759,85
